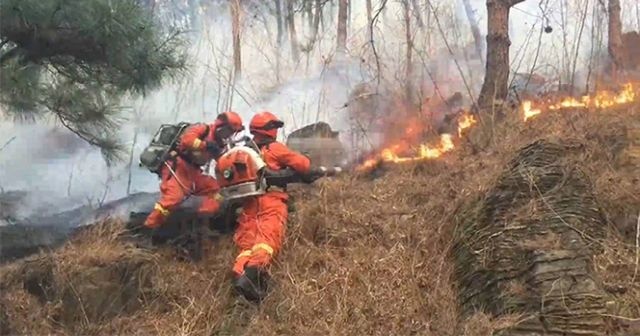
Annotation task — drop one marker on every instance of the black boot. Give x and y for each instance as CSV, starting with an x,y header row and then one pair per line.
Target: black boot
x,y
252,284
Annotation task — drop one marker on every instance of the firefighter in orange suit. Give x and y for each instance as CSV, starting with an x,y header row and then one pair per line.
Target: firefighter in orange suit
x,y
261,225
182,175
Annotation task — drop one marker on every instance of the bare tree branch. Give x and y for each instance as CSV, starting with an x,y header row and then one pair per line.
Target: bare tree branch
x,y
7,143
373,46
446,42
575,57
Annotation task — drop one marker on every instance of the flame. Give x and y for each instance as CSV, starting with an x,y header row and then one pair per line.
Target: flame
x,y
445,145
425,152
528,112
601,99
466,121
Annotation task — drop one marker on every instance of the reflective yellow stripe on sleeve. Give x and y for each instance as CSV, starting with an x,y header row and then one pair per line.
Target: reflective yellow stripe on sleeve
x,y
161,209
245,253
262,246
196,144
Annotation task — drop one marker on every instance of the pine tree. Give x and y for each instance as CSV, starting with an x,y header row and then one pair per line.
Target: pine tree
x,y
75,59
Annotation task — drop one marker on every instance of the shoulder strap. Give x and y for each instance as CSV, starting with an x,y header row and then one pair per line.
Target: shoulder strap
x,y
265,143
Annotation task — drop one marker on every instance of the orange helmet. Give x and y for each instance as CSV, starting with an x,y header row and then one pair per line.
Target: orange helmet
x,y
265,123
226,124
229,118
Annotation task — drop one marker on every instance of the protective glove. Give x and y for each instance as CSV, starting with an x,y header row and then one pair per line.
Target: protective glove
x,y
213,148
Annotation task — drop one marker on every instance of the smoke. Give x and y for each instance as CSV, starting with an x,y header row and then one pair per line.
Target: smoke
x,y
61,172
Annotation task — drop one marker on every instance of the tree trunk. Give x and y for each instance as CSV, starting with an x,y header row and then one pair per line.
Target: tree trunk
x,y
316,21
416,12
574,62
409,63
428,24
369,18
342,26
280,23
293,37
475,30
615,38
369,12
235,30
348,15
308,8
495,86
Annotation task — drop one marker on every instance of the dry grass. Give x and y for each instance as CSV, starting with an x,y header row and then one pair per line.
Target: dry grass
x,y
481,324
362,256
616,267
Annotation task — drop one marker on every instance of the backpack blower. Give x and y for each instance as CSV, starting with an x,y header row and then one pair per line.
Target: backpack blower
x,y
242,173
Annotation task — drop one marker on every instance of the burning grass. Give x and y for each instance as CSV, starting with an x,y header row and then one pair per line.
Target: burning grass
x,y
406,147
364,255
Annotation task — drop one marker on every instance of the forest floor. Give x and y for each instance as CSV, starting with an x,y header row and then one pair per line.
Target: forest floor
x,y
365,254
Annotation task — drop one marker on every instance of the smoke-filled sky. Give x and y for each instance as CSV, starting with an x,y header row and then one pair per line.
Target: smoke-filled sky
x,y
61,172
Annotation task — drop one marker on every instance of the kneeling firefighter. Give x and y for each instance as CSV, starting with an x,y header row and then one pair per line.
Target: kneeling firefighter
x,y
244,175
261,225
181,173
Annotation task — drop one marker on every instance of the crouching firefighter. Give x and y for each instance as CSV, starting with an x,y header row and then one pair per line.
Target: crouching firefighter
x,y
242,173
185,151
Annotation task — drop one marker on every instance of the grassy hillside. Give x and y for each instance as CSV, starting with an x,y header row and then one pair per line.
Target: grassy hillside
x,y
364,255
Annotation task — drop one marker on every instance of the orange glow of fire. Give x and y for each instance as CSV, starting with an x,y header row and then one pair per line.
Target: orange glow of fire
x,y
425,152
466,121
601,99
528,111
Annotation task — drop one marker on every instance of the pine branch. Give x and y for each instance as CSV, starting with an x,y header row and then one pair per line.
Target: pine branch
x,y
91,53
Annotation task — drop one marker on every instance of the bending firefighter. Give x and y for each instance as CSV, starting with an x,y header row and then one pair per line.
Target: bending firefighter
x,y
182,175
261,225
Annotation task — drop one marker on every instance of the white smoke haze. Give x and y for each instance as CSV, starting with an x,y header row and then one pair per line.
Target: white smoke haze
x,y
60,175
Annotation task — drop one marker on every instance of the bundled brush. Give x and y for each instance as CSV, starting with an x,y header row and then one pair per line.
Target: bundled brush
x,y
526,247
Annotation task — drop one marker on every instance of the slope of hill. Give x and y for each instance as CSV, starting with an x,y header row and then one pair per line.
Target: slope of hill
x,y
365,255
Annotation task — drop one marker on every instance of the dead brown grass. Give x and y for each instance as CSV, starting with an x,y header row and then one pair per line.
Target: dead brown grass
x,y
617,267
362,256
481,324
608,143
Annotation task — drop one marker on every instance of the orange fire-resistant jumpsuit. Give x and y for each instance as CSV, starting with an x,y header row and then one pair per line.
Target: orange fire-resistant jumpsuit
x,y
189,179
261,225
